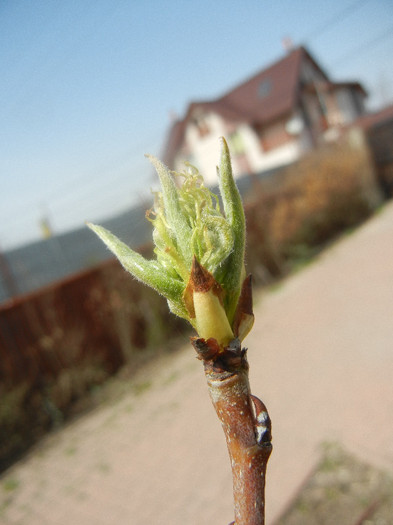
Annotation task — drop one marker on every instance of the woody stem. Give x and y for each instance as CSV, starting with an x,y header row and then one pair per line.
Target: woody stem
x,y
246,428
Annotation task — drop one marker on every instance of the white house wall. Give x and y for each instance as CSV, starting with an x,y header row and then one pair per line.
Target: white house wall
x,y
252,148
348,111
284,154
205,150
260,160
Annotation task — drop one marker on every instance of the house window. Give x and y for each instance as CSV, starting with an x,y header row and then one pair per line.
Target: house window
x,y
264,88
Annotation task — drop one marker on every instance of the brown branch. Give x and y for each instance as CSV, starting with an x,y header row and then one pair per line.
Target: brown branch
x,y
245,422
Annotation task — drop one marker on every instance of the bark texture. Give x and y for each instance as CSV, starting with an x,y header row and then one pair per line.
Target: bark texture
x,y
246,426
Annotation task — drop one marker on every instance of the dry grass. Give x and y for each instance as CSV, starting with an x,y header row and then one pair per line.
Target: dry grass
x,y
312,201
342,490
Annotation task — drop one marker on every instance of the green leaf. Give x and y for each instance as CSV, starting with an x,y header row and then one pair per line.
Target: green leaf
x,y
232,272
149,272
180,310
176,220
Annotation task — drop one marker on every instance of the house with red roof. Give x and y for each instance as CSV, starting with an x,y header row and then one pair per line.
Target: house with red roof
x,y
269,120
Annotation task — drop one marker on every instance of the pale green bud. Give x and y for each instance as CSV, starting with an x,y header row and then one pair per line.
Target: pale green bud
x,y
189,225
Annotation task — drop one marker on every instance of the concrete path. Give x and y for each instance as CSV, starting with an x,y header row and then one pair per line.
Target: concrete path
x,y
321,358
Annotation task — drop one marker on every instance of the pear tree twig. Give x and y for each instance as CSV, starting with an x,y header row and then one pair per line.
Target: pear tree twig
x,y
244,419
199,268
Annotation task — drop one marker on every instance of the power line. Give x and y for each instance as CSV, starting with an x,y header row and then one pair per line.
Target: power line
x,y
338,17
364,46
106,171
116,175
111,195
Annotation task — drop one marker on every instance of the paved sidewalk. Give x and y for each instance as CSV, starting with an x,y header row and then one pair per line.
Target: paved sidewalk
x,y
321,358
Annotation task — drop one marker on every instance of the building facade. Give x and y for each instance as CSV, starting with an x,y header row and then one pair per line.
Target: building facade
x,y
269,120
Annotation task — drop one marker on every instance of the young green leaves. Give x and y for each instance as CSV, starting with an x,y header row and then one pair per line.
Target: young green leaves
x,y
199,250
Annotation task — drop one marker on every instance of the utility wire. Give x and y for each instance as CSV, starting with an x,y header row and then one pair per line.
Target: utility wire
x,y
338,17
364,46
116,175
107,171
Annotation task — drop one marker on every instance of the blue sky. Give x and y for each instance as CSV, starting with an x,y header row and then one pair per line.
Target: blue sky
x,y
87,87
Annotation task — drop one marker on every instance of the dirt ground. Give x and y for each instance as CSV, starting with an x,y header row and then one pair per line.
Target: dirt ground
x,y
321,358
342,490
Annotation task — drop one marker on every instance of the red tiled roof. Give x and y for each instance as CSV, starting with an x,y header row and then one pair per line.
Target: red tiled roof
x,y
245,103
331,86
372,119
281,81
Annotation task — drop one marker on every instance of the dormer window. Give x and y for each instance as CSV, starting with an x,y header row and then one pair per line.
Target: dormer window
x,y
264,88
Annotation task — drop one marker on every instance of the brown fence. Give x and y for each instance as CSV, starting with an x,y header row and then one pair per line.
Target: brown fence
x,y
59,343
101,315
